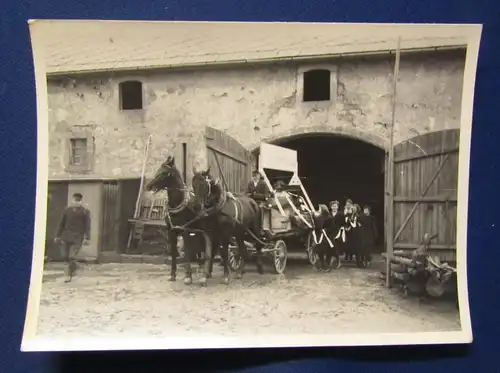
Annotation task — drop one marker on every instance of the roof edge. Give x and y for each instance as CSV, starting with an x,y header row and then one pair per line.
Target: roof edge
x,y
255,61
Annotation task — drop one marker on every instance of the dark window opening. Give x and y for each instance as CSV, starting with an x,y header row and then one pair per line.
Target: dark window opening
x,y
78,152
131,95
317,85
184,160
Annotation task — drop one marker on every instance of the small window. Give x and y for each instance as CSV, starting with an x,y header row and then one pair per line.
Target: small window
x,y
317,85
131,95
78,152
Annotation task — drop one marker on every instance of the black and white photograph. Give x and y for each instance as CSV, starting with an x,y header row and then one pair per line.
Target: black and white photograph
x,y
232,184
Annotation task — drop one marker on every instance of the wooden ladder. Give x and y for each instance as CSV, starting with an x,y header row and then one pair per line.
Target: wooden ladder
x,y
137,227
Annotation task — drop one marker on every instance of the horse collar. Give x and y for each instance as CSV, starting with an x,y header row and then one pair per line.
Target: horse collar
x,y
182,205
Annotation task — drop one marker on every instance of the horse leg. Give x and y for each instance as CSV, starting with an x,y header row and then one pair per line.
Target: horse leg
x,y
321,258
337,249
208,262
258,258
329,255
189,257
225,260
172,243
215,251
242,256
256,230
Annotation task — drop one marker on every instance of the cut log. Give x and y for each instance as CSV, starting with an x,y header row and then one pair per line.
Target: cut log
x,y
403,277
399,268
404,261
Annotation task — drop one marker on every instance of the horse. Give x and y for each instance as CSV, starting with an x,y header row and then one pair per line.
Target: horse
x,y
228,216
182,209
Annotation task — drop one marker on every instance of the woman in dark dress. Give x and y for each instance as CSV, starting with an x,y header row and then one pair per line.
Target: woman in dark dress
x,y
335,233
346,224
368,235
355,233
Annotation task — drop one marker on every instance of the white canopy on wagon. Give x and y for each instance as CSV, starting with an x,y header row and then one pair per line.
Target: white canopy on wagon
x,y
273,157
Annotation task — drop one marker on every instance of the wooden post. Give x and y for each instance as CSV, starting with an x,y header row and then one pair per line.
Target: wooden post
x,y
143,173
139,194
390,170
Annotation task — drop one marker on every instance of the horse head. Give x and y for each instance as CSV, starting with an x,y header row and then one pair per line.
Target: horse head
x,y
202,185
320,215
167,176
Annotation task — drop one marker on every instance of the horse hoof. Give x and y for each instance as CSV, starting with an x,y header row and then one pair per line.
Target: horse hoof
x,y
171,279
225,281
188,281
203,281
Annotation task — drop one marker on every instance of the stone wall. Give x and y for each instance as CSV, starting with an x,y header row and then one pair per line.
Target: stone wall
x,y
252,104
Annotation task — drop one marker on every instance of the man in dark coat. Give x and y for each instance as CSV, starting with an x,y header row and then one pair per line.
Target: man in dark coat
x,y
73,232
368,233
257,188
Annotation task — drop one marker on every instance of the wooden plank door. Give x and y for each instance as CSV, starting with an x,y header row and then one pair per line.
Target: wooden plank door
x,y
57,201
110,216
228,160
425,192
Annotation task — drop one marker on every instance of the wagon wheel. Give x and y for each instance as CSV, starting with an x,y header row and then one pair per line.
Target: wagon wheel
x,y
280,256
236,260
311,253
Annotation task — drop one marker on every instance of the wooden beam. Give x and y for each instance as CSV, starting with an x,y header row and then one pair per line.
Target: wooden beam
x,y
441,199
426,155
413,246
390,180
227,153
415,206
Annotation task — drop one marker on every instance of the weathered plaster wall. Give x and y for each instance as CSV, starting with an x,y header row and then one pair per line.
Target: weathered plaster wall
x,y
251,104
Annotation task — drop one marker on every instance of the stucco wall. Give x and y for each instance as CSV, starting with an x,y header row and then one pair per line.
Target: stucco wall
x,y
251,104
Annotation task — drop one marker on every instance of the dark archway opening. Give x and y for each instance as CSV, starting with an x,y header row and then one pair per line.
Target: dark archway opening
x,y
338,168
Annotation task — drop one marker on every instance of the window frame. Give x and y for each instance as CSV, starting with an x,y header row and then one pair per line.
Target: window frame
x,y
301,70
80,133
123,84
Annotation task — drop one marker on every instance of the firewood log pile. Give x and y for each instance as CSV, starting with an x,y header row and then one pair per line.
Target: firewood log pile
x,y
419,273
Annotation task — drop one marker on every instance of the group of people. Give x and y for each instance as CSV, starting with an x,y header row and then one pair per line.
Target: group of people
x,y
352,231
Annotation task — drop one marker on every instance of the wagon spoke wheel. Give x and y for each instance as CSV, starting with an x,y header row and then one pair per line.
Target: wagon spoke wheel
x,y
236,260
280,256
311,253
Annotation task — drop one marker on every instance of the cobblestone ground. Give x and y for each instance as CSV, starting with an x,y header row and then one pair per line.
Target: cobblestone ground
x,y
137,299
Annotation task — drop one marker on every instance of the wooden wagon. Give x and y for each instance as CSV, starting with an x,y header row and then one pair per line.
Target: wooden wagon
x,y
288,217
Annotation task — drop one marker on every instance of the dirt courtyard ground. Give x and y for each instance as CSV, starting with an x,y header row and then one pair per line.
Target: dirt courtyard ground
x,y
136,299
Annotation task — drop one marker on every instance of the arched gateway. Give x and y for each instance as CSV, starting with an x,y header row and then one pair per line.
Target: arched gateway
x,y
425,178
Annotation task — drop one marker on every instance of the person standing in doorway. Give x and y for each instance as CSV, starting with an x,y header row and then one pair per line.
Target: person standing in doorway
x,y
337,231
73,232
347,217
368,233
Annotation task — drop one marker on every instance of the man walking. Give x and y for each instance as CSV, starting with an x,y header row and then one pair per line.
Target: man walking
x,y
73,232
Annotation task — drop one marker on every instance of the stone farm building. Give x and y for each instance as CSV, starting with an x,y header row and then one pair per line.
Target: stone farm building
x,y
229,87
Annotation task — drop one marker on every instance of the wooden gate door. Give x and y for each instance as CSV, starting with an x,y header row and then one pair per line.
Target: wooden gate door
x,y
425,192
57,201
110,216
228,160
